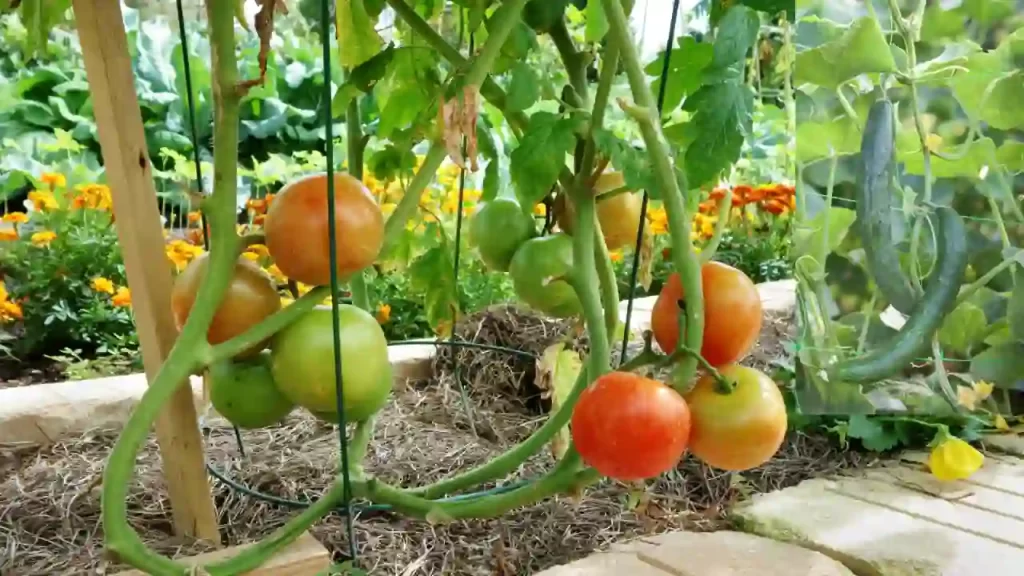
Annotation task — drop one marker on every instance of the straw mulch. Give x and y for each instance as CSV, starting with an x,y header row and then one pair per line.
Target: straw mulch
x,y
49,497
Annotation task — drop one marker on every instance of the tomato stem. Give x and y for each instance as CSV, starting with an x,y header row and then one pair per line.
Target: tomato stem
x,y
505,20
684,256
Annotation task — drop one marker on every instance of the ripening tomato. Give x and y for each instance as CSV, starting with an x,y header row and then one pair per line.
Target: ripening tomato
x,y
250,298
739,430
732,314
628,427
618,215
302,363
297,233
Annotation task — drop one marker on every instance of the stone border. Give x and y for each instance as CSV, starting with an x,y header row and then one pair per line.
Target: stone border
x,y
45,413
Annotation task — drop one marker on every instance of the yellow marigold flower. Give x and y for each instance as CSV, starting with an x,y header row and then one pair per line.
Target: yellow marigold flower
x,y
53,179
616,256
383,313
429,218
43,239
16,217
276,273
540,209
259,250
303,288
285,300
104,285
3,291
195,216
42,200
8,235
250,256
953,459
10,311
94,196
387,208
123,297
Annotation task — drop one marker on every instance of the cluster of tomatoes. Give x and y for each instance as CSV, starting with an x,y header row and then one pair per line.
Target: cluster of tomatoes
x,y
295,367
629,427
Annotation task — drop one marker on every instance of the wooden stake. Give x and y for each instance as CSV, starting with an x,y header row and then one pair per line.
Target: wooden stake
x,y
140,234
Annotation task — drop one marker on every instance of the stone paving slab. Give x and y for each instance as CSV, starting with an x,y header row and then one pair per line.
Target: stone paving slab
x,y
900,521
722,553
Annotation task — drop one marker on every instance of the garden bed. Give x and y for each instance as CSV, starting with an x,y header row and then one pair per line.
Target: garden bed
x,y
50,512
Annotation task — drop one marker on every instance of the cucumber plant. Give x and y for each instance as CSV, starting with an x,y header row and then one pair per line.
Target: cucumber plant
x,y
908,162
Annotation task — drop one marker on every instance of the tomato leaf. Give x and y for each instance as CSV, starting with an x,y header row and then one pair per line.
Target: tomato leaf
x,y
523,89
391,162
541,153
357,35
1002,365
432,274
734,38
557,370
686,67
409,89
721,117
862,49
872,434
963,328
631,161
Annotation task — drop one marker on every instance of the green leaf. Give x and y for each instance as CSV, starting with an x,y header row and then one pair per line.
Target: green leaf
x,y
523,89
1011,155
492,181
357,34
807,238
963,328
1015,307
410,88
862,49
735,36
541,153
363,78
391,162
721,118
1002,365
992,87
816,140
979,154
686,67
557,371
770,7
633,163
432,275
872,433
597,22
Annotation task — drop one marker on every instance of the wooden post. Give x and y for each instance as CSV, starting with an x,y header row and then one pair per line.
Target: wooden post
x,y
304,557
140,233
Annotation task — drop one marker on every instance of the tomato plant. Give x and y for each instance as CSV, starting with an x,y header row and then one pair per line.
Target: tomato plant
x,y
739,429
732,313
297,233
539,273
302,361
497,229
629,427
619,213
251,297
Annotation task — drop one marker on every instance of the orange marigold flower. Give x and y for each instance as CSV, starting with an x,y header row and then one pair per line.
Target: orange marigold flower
x,y
195,216
94,196
383,313
103,285
123,297
10,311
8,235
256,205
53,179
259,219
16,217
43,239
615,256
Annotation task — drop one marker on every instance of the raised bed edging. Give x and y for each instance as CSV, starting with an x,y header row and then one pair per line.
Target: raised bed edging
x,y
45,413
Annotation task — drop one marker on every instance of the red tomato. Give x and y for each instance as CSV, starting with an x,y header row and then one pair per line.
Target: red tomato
x,y
297,232
629,427
732,314
739,430
250,298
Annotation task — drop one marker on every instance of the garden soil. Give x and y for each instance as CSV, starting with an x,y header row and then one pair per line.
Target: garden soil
x,y
50,497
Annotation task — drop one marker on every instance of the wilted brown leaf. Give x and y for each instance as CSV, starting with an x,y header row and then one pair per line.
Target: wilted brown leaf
x,y
265,30
458,120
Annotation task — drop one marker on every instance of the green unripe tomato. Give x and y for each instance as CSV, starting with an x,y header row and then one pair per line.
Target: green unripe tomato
x,y
497,229
537,272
